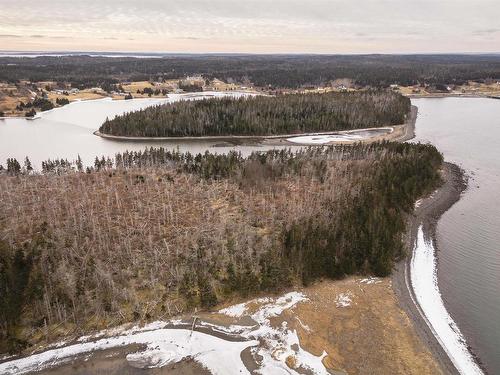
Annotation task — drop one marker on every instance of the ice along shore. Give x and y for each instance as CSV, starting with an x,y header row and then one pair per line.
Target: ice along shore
x,y
415,279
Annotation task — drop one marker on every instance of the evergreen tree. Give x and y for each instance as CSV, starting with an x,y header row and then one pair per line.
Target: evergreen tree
x,y
27,165
13,166
79,164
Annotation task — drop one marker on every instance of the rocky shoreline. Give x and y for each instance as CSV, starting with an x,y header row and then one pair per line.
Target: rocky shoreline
x,y
427,214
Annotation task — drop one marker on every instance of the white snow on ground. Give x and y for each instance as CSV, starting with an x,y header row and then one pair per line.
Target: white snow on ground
x,y
324,139
164,346
277,348
278,343
343,300
170,345
425,286
235,311
304,326
418,203
274,307
370,280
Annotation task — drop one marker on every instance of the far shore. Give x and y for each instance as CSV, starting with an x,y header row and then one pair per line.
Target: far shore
x,y
255,92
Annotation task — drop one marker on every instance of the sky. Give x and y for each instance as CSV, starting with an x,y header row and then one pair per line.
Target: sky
x,y
251,26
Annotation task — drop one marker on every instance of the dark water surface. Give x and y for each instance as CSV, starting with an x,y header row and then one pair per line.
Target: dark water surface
x,y
467,132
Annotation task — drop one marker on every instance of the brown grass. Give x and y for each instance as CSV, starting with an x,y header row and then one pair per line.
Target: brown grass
x,y
372,336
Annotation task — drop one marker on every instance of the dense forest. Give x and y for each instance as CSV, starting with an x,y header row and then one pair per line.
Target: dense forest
x,y
263,115
155,233
291,71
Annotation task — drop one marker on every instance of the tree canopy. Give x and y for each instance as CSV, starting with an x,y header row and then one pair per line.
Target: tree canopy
x,y
264,115
96,247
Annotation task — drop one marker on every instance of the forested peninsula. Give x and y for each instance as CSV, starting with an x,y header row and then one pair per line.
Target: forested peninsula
x,y
264,115
156,233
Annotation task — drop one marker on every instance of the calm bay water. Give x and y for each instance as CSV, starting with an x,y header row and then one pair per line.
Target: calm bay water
x,y
68,132
466,131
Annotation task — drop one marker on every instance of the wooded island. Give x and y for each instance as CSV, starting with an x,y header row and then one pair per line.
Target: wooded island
x,y
264,115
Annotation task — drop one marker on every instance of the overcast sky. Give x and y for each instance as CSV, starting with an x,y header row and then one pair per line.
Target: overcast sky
x,y
312,26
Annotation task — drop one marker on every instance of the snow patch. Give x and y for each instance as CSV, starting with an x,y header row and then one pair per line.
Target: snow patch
x,y
304,326
284,343
279,343
235,311
276,307
324,139
425,285
163,346
343,300
370,280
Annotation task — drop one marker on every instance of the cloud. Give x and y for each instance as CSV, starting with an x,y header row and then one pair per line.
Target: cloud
x,y
328,26
486,31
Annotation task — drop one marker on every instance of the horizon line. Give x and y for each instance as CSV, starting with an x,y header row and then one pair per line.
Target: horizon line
x,y
15,53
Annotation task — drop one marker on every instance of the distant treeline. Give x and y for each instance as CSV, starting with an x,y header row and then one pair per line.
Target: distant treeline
x,y
156,233
261,115
42,103
279,71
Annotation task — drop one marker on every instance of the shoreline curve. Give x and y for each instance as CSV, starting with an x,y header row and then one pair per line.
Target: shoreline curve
x,y
426,216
